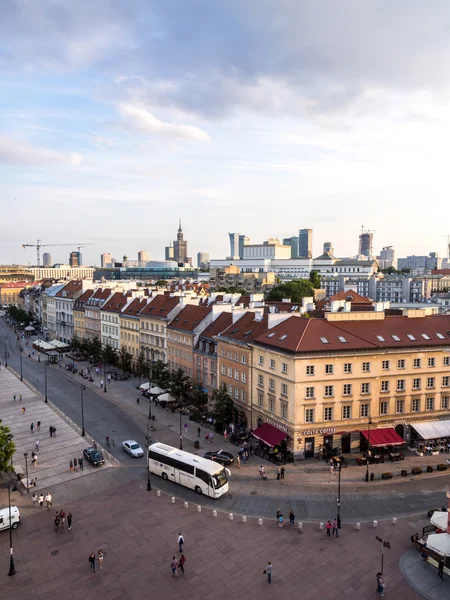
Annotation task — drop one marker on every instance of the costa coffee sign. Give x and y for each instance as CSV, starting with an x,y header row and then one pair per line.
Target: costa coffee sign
x,y
277,425
319,431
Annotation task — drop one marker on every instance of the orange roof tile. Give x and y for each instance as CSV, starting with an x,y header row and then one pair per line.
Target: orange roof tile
x,y
189,317
245,329
160,307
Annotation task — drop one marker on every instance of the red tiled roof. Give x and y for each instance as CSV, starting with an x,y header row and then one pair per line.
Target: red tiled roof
x,y
116,302
17,284
351,296
284,306
81,301
160,307
244,300
102,294
440,272
190,317
133,309
221,323
245,329
69,290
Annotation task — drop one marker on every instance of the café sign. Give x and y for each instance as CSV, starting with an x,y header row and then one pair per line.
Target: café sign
x,y
277,425
319,431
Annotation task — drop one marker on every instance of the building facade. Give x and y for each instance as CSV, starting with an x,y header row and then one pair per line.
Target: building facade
x,y
110,318
64,301
79,322
129,327
153,320
92,317
305,242
58,272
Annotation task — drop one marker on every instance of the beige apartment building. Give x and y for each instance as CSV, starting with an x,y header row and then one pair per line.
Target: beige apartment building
x,y
79,323
129,327
153,320
320,381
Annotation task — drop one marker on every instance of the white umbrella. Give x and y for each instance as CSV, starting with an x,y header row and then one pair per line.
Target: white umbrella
x,y
144,386
439,542
29,328
166,398
440,519
157,390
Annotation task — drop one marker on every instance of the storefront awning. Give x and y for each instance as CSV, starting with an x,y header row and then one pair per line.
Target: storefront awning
x,y
387,436
433,429
269,434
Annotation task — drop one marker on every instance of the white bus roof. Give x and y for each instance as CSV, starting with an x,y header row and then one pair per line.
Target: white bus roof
x,y
209,466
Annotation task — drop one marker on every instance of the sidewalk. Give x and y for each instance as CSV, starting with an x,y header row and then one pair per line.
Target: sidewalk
x,y
423,577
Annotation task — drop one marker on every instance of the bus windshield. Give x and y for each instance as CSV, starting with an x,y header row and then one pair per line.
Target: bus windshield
x,y
219,478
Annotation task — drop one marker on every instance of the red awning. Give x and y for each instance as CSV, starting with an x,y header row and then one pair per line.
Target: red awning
x,y
269,434
383,437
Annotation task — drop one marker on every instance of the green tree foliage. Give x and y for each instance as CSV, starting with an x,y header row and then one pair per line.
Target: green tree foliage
x,y
295,290
109,356
160,374
314,278
18,315
141,366
232,289
224,410
161,283
7,448
199,397
179,385
124,360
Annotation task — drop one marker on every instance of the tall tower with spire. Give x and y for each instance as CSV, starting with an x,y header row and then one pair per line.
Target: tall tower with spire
x,y
180,251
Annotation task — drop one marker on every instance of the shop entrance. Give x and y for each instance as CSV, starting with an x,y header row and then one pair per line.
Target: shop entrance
x,y
345,444
309,447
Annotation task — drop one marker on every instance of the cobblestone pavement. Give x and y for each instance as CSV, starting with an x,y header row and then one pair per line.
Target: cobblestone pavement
x,y
138,533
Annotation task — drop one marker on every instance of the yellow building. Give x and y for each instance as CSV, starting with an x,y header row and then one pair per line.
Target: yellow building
x,y
79,322
10,292
129,327
153,321
320,381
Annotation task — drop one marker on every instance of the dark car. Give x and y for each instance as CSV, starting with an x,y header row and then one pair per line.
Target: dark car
x,y
93,456
220,456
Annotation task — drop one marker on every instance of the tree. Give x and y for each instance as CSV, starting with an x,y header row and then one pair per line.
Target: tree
x,y
141,367
109,356
161,283
224,410
7,448
314,278
124,360
179,385
295,290
18,315
160,374
232,289
199,397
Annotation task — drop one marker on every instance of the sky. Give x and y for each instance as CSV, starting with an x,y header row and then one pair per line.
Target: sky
x,y
252,116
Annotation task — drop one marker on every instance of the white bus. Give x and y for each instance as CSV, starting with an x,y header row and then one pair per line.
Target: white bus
x,y
200,474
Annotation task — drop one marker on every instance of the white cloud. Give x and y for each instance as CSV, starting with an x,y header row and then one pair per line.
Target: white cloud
x,y
17,152
142,120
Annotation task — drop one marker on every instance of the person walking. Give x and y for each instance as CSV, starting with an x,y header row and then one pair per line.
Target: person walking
x,y
21,397
283,469
57,521
62,516
48,499
14,397
32,428
70,465
92,561
238,461
23,410
380,583
278,473
328,528
335,528
75,465
38,425
34,499
211,435
291,517
34,459
441,568
180,542
36,445
225,435
198,432
80,462
69,521
101,556
268,571
181,563
174,567
41,500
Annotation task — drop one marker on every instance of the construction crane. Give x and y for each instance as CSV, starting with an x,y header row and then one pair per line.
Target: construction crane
x,y
38,247
448,245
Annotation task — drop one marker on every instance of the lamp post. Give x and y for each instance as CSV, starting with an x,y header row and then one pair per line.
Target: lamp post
x,y
83,433
104,377
25,455
12,568
149,483
368,450
20,355
6,354
45,380
181,429
339,497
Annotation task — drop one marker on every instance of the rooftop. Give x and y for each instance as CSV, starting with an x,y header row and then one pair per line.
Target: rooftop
x,y
222,322
190,317
245,329
160,307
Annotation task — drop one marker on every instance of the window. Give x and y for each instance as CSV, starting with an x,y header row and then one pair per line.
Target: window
x,y
230,372
272,363
329,369
417,363
224,352
446,361
431,362
236,393
347,367
243,396
284,410
416,383
385,386
284,389
244,359
236,374
364,410
328,413
230,355
324,340
310,369
400,406
309,415
401,363
329,392
272,385
383,408
430,382
347,390
244,378
365,388
400,385
271,405
346,412
415,405
385,365
445,381
429,404
261,380
444,402
366,367
310,392
224,371
236,356
284,367
261,360
261,399
230,389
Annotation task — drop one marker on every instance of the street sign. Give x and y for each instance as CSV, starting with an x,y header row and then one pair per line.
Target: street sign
x,y
378,538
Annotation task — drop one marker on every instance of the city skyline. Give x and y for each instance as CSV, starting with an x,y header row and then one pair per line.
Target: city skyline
x,y
299,118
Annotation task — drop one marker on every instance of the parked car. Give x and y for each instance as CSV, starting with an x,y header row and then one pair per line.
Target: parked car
x,y
93,456
220,456
132,448
5,523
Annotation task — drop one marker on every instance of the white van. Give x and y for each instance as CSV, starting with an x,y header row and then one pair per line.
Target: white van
x,y
4,518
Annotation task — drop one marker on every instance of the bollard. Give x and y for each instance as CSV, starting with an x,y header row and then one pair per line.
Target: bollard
x,y
394,520
186,505
244,519
358,526
214,513
300,526
375,523
260,521
199,508
321,526
173,499
158,493
230,516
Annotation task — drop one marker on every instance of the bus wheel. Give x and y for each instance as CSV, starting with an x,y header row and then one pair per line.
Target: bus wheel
x,y
198,489
164,476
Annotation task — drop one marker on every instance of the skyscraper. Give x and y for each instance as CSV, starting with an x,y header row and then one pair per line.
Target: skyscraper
x,y
143,258
47,259
237,243
105,260
305,243
293,243
203,260
169,252
328,248
180,251
388,258
365,242
74,259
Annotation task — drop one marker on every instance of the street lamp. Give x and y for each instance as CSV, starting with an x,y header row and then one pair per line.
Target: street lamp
x,y
45,379
83,433
181,429
21,375
339,496
104,377
6,354
25,455
12,568
368,450
149,483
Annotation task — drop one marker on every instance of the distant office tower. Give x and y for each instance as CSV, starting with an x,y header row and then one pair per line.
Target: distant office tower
x,y
106,260
47,259
388,258
169,252
237,243
243,241
180,250
202,260
305,243
328,248
143,258
74,259
365,242
293,243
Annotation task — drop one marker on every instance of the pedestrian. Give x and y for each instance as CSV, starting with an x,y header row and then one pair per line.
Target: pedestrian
x,y
92,561
36,445
32,428
14,397
38,425
181,563
180,542
80,462
75,463
291,517
335,528
263,473
137,400
23,410
174,566
424,554
278,473
57,521
260,470
96,370
328,528
70,465
41,500
48,499
207,438
279,514
238,461
34,499
380,584
225,435
34,459
101,555
101,383
441,568
62,516
50,429
268,571
69,521
198,431
21,397
283,469
211,435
